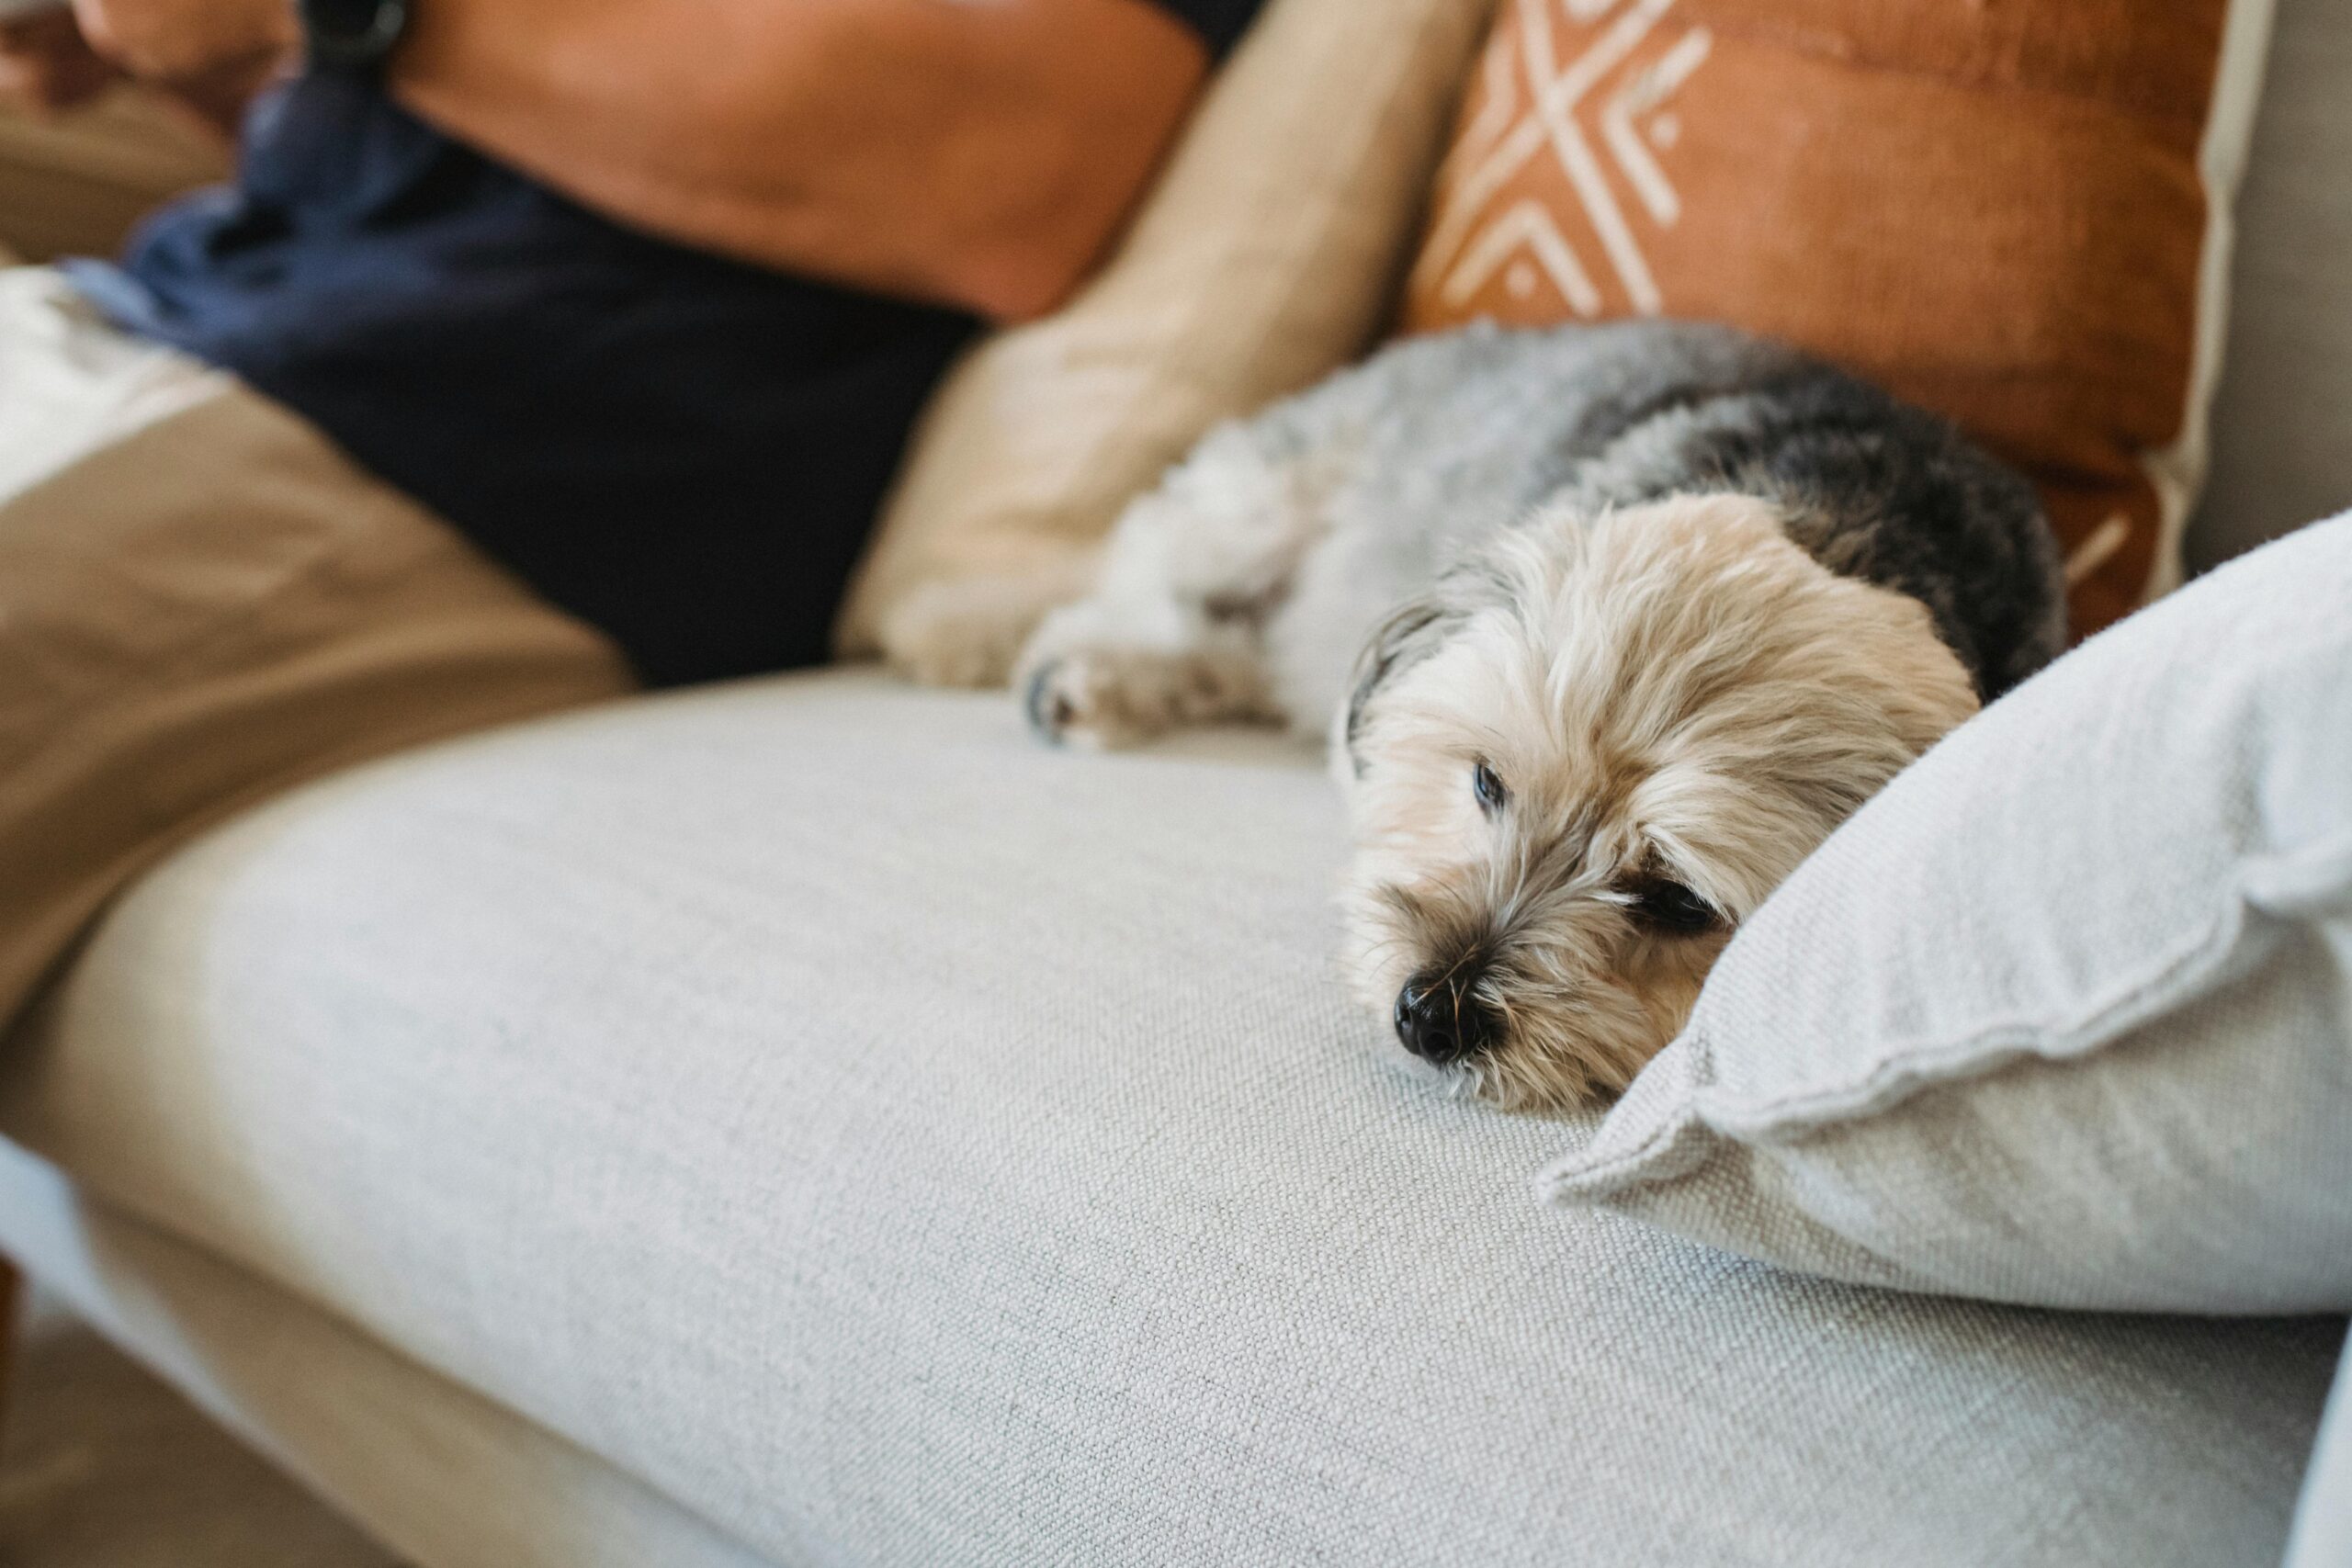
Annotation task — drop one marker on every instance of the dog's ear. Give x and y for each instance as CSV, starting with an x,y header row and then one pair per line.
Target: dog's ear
x,y
1412,632
1420,626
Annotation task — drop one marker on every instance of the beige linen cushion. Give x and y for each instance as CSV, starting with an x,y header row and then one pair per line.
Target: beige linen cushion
x,y
1267,257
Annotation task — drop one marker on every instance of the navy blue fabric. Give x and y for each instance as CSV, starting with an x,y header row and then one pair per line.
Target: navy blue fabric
x,y
686,451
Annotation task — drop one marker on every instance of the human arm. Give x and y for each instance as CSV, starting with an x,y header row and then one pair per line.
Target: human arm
x,y
976,152
211,63
46,65
979,152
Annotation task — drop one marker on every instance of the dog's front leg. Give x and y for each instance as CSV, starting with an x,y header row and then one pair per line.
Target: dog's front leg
x,y
1107,675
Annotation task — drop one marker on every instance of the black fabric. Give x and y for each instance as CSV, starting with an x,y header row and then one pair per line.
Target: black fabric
x,y
1221,22
684,451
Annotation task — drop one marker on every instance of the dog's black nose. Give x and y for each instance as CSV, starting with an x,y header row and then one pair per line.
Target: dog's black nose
x,y
1441,1021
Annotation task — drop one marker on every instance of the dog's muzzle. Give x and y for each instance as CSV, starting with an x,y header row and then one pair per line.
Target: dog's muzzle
x,y
1439,1020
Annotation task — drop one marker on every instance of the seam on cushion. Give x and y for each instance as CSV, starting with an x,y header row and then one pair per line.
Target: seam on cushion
x,y
1855,1260
2179,974
2316,885
1667,1152
1677,1144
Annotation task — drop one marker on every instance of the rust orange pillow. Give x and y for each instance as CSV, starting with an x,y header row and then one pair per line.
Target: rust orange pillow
x,y
2013,212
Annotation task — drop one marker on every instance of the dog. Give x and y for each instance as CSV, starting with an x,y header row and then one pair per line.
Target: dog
x,y
1611,627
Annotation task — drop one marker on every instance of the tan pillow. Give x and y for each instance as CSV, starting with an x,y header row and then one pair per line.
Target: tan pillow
x,y
1268,256
2015,213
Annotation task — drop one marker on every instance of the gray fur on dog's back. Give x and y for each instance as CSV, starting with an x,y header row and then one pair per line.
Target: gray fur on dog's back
x,y
1438,442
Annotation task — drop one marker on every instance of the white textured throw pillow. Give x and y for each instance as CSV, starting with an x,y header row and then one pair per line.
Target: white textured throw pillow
x,y
2065,1016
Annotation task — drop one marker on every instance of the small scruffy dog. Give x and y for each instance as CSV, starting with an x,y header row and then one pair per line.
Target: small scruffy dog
x,y
1614,625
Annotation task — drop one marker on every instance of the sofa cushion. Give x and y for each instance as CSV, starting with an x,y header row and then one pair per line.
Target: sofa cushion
x,y
2015,215
2065,1016
903,1144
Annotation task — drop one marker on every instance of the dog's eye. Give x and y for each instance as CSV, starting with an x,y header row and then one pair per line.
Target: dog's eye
x,y
1670,907
1487,785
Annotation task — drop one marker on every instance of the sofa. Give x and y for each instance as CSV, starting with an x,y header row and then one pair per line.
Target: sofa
x,y
805,1121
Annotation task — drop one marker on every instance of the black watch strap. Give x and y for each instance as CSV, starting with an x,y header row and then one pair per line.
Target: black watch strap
x,y
354,33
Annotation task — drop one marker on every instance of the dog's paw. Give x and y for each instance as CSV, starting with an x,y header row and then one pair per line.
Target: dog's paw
x,y
968,632
1101,701
1110,698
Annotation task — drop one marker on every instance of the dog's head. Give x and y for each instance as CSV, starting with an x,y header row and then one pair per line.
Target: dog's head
x,y
1591,751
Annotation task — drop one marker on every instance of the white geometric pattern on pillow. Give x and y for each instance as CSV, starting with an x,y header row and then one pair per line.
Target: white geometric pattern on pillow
x,y
2065,1016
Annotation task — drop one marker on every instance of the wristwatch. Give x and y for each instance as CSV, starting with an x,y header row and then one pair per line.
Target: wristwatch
x,y
354,32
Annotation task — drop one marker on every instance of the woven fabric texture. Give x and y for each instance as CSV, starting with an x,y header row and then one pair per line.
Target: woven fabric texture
x,y
902,1144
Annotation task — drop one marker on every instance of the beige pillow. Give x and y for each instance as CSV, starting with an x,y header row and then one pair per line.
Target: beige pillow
x,y
1268,256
